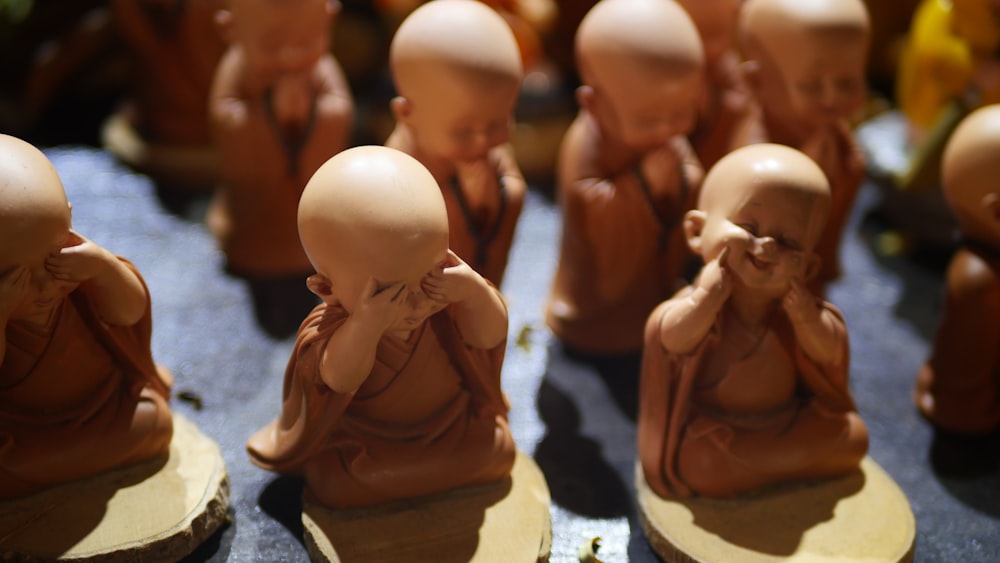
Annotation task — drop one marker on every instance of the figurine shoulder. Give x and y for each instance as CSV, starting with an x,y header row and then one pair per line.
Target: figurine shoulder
x,y
974,274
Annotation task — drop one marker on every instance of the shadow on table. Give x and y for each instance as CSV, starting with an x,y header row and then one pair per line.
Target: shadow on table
x,y
968,467
281,499
579,477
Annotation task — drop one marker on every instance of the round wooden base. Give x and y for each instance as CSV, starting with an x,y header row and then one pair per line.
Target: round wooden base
x,y
160,510
499,522
861,517
184,168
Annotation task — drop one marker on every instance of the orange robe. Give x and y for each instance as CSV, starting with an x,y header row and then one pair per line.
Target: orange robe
x,y
78,398
264,169
430,417
713,424
725,103
959,387
623,249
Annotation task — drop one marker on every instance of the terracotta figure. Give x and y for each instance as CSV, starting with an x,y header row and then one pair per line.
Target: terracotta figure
x,y
393,388
806,68
626,173
725,98
280,107
457,71
958,388
744,374
79,392
175,47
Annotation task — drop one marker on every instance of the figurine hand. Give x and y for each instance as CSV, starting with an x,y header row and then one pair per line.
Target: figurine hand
x,y
292,98
715,278
80,260
381,307
799,304
454,282
13,289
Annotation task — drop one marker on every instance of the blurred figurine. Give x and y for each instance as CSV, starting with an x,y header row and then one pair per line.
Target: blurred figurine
x,y
626,173
744,376
457,71
806,68
958,388
280,107
725,98
79,391
163,130
393,389
951,53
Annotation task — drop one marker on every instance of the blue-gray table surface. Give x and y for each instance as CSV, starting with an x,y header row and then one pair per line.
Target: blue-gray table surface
x,y
575,417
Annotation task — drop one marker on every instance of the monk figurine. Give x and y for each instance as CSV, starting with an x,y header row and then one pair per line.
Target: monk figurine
x,y
280,107
958,389
457,71
744,372
806,68
175,47
725,97
626,173
393,387
79,392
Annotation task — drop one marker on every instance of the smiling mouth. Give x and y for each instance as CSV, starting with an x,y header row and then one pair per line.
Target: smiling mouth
x,y
759,264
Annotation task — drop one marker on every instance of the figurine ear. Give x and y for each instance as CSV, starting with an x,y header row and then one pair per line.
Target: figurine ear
x,y
751,74
224,22
321,286
401,108
991,203
585,97
694,224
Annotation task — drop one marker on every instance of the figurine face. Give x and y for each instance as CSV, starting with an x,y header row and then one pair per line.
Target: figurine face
x,y
644,114
819,81
460,120
44,292
408,268
771,233
282,37
716,23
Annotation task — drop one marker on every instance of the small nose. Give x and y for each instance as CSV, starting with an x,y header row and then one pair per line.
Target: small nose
x,y
765,246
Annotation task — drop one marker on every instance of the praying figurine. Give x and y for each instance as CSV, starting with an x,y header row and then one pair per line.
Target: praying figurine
x,y
725,97
280,107
457,71
805,64
958,389
744,372
626,173
393,388
79,391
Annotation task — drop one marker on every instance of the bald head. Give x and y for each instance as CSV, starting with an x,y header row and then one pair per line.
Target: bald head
x,y
32,198
636,36
453,39
969,171
774,28
766,166
375,209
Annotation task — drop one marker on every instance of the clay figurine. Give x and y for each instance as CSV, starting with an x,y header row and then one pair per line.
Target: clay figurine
x,y
626,173
457,71
744,374
806,67
958,389
393,387
163,130
79,389
725,97
280,107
